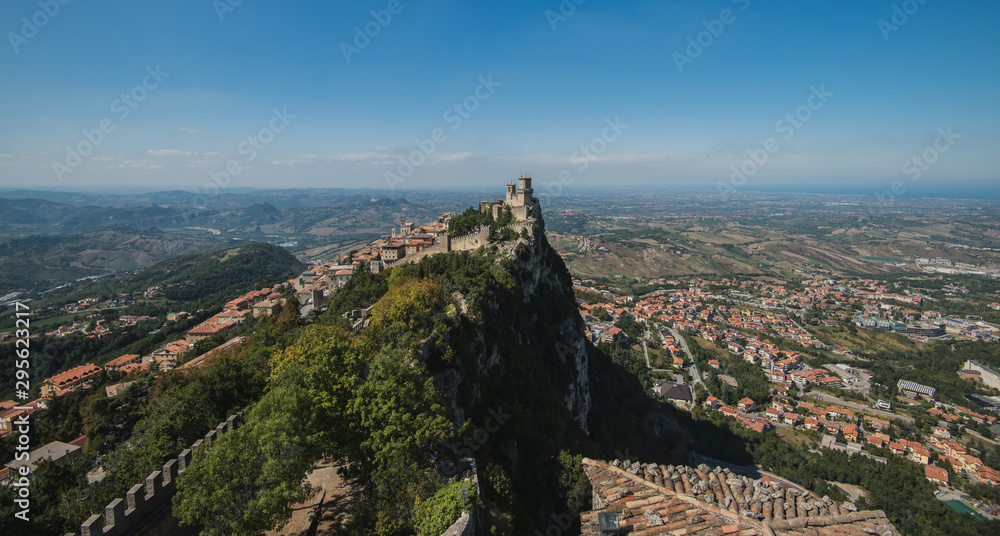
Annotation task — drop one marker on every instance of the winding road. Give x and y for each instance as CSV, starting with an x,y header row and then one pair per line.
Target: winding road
x,y
830,398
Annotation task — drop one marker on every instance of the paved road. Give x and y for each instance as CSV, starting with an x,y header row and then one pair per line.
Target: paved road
x,y
695,374
977,436
791,318
680,340
830,398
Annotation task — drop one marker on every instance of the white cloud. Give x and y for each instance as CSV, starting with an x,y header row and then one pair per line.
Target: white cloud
x,y
189,130
203,162
132,164
454,156
170,152
306,159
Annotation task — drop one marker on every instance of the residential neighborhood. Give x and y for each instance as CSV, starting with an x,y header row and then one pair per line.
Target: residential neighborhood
x,y
761,324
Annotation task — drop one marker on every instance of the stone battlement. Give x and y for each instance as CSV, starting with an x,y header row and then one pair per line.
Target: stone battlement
x,y
125,515
471,241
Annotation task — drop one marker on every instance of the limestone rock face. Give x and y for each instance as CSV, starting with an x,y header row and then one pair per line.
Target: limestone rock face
x,y
537,272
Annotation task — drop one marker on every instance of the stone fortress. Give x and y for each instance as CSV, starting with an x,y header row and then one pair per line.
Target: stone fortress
x,y
523,204
414,243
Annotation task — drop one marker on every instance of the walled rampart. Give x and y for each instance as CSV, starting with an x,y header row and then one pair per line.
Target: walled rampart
x,y
127,514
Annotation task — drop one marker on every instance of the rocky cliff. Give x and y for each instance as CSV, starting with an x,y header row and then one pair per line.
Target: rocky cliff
x,y
526,322
526,389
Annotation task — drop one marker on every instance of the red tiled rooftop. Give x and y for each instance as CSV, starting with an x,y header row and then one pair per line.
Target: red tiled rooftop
x,y
73,375
656,499
123,360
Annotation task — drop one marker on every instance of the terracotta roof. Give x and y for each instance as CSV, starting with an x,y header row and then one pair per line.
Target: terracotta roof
x,y
123,360
936,473
210,328
73,375
657,499
988,475
135,366
178,347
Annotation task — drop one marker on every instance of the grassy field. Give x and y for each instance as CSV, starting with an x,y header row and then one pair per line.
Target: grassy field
x,y
868,340
38,327
794,438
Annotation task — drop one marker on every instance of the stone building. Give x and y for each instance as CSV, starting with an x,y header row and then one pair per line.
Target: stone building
x,y
520,198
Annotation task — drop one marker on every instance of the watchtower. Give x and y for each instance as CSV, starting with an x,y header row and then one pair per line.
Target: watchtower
x,y
526,191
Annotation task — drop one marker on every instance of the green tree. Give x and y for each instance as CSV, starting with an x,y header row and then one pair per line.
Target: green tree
x,y
465,222
434,515
247,481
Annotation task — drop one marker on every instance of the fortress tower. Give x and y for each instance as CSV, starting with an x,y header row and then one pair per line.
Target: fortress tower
x,y
526,191
520,198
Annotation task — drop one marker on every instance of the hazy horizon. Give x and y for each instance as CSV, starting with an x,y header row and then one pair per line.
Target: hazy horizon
x,y
970,191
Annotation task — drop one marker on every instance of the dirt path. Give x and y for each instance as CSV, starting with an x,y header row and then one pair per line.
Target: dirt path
x,y
334,495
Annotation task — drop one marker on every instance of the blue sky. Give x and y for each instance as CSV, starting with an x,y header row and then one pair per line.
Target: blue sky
x,y
533,81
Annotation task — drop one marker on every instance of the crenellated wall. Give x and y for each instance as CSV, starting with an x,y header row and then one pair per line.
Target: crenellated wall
x,y
124,515
444,244
471,241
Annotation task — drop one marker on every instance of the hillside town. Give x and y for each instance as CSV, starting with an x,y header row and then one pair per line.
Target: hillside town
x,y
312,288
762,324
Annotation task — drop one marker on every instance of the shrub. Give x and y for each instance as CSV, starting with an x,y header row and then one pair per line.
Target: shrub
x,y
434,515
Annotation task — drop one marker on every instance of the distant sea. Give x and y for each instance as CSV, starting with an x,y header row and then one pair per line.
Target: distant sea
x,y
977,190
968,189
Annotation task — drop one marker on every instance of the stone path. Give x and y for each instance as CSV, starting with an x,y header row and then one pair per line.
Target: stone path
x,y
335,502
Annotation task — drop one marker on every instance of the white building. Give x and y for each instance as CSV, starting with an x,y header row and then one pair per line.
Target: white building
x,y
988,376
